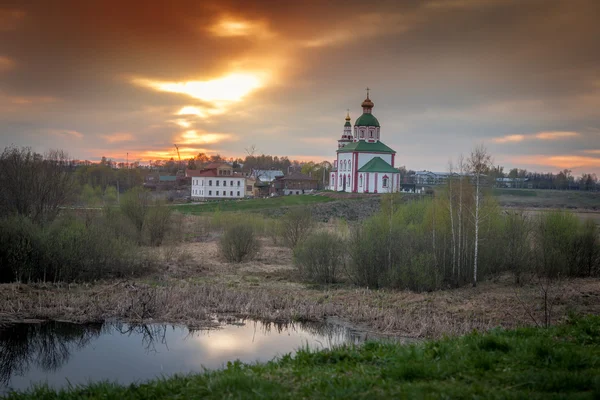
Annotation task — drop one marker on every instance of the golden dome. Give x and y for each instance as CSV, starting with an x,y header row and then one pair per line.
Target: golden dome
x,y
367,103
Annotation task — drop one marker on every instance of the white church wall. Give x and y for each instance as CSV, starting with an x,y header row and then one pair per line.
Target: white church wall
x,y
344,170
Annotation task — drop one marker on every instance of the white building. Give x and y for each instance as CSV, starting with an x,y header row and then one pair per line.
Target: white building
x,y
433,178
217,181
364,163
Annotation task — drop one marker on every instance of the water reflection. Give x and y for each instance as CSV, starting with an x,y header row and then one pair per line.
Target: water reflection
x,y
60,353
45,346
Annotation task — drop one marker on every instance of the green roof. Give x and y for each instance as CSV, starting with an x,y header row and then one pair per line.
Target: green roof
x,y
347,123
377,165
367,119
361,145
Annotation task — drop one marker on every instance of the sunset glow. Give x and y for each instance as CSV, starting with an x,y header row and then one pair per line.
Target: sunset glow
x,y
195,137
221,77
233,87
539,136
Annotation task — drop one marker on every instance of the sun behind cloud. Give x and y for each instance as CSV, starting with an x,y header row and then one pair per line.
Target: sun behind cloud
x,y
230,88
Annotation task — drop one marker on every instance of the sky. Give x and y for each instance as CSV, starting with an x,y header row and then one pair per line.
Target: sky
x,y
132,78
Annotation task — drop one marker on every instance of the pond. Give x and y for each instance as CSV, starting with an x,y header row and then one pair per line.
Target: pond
x,y
60,353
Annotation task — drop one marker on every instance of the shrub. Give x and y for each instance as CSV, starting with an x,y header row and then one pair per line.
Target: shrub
x,y
67,250
516,240
21,253
369,255
156,223
554,241
319,257
135,205
296,225
587,250
239,242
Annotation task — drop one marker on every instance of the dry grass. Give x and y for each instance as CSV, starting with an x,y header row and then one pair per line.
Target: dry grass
x,y
271,292
195,287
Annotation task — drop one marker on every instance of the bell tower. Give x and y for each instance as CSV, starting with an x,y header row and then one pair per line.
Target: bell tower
x,y
347,135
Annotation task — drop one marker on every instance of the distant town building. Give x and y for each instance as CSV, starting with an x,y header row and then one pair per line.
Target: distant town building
x,y
364,163
432,178
294,183
512,182
266,175
217,181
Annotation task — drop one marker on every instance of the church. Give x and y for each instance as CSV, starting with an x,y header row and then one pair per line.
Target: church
x,y
364,163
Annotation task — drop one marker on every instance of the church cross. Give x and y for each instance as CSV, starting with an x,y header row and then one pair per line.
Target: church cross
x,y
368,92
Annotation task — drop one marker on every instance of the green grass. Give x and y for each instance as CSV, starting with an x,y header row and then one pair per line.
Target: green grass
x,y
530,363
252,204
515,192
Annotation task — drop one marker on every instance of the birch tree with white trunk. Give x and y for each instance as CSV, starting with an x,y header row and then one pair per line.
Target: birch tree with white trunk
x,y
478,163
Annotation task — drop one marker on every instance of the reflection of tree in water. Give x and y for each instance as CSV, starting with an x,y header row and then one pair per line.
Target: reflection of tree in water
x,y
45,345
151,334
327,334
332,334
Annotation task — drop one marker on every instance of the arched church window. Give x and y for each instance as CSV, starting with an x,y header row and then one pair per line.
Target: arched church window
x,y
385,182
349,165
360,181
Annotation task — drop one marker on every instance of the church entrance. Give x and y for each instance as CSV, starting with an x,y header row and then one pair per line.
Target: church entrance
x,y
344,184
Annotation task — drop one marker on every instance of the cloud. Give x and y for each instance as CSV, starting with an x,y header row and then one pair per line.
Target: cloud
x,y
119,137
195,137
365,26
463,4
555,135
6,63
568,161
64,133
202,112
10,19
235,28
509,139
230,88
592,151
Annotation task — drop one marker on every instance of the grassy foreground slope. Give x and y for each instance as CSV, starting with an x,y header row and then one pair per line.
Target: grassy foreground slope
x,y
528,363
252,204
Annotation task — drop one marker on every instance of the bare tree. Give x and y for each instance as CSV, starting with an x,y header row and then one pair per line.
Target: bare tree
x,y
34,185
451,209
461,171
478,164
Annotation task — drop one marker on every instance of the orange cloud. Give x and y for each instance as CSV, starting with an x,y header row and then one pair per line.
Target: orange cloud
x,y
509,139
560,161
555,135
118,137
229,27
194,137
10,19
595,151
167,154
370,25
229,88
6,63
